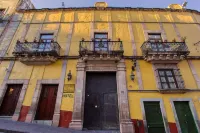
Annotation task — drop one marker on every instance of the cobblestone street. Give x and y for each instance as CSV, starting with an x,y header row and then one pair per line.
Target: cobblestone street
x,y
7,126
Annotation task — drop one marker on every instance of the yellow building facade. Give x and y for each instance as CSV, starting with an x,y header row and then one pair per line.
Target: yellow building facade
x,y
55,55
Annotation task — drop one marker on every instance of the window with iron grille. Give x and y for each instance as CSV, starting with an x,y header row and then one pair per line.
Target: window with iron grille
x,y
101,41
167,79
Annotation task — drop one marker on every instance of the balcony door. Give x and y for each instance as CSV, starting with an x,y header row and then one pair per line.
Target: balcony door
x,y
45,44
101,42
46,106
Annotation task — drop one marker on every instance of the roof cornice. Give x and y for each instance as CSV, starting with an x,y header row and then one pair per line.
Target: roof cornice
x,y
110,9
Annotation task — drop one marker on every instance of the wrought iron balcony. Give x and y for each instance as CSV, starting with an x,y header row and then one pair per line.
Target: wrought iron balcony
x,y
101,49
164,51
37,53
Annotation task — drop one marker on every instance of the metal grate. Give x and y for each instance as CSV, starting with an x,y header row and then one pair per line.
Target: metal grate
x,y
37,48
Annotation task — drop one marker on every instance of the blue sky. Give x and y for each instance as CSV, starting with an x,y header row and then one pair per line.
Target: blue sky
x,y
192,4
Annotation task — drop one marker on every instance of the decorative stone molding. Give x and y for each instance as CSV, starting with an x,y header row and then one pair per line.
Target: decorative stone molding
x,y
78,112
192,108
164,116
178,76
21,96
35,100
194,73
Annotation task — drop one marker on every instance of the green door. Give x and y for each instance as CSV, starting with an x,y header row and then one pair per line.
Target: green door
x,y
154,117
185,117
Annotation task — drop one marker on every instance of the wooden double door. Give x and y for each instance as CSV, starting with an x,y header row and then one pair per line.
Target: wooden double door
x,y
101,102
10,100
46,105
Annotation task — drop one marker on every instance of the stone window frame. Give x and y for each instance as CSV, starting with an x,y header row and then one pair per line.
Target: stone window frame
x,y
24,83
162,108
147,32
125,123
54,32
177,74
192,108
35,102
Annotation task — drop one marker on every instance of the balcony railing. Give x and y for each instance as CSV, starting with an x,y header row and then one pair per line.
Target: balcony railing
x,y
165,47
36,49
101,48
164,51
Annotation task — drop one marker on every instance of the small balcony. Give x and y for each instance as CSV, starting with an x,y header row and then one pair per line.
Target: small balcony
x,y
37,53
101,50
164,51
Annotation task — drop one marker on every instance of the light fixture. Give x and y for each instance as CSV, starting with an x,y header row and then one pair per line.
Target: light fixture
x,y
134,65
69,75
132,76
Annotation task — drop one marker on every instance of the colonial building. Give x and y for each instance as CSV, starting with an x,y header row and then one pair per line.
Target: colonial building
x,y
135,70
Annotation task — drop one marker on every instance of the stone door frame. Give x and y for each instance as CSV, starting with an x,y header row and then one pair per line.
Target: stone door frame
x,y
126,125
163,112
192,108
35,101
24,83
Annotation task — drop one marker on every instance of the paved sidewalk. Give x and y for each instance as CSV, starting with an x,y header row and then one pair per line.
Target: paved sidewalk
x,y
8,126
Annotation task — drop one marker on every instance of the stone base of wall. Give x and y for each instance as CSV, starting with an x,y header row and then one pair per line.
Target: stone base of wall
x,y
65,118
139,126
23,113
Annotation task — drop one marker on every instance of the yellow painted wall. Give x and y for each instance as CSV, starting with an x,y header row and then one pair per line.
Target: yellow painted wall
x,y
62,37
139,37
37,73
102,16
10,5
187,75
121,31
68,102
21,71
191,32
170,32
148,77
80,30
196,64
3,69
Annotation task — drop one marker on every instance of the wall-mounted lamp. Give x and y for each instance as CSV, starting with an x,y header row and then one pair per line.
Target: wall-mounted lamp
x,y
69,75
134,65
132,76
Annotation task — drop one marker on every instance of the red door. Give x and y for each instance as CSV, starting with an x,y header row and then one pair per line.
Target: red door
x,y
47,102
10,100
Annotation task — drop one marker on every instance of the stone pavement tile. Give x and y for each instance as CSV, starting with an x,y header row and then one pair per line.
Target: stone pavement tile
x,y
36,128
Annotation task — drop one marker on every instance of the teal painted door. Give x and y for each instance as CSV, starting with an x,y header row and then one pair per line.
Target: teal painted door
x,y
185,117
154,118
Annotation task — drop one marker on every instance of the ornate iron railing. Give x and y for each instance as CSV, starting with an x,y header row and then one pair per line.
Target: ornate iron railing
x,y
164,47
101,47
37,49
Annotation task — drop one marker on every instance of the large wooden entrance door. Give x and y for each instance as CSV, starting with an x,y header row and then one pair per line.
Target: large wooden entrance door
x,y
47,102
185,117
101,102
10,100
